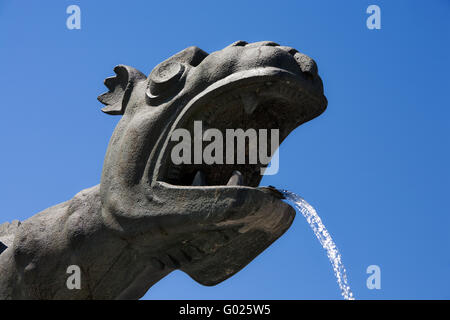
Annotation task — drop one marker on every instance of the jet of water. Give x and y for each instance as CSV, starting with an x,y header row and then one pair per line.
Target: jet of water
x,y
325,240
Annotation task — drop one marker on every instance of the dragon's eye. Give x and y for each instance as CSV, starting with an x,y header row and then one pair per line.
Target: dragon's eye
x,y
164,81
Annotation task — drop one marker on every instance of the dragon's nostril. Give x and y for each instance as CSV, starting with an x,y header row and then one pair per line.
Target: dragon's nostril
x,y
239,43
263,43
290,50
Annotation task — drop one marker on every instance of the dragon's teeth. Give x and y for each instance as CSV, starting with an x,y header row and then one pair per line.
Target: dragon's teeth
x,y
236,179
199,179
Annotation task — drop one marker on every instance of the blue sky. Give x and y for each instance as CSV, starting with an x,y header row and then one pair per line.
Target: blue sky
x,y
375,165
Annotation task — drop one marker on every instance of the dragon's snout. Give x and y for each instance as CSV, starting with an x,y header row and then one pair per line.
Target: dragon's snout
x,y
307,64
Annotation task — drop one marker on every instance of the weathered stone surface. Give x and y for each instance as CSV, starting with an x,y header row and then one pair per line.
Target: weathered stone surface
x,y
7,231
145,218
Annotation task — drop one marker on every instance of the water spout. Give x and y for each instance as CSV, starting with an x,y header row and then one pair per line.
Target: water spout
x,y
325,240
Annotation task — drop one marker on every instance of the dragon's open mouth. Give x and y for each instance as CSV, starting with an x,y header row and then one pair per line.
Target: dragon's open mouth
x,y
267,98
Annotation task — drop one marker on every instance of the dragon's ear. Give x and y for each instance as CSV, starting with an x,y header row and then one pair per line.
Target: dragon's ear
x,y
120,87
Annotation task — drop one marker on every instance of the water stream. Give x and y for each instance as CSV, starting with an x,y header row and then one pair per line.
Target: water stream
x,y
325,240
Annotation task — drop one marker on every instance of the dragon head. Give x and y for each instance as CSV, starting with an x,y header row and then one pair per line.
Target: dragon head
x,y
208,220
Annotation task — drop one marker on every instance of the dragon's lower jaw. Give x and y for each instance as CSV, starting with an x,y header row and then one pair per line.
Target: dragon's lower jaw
x,y
223,230
245,238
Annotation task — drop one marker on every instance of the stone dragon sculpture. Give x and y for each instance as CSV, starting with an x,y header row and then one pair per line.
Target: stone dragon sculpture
x,y
148,217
